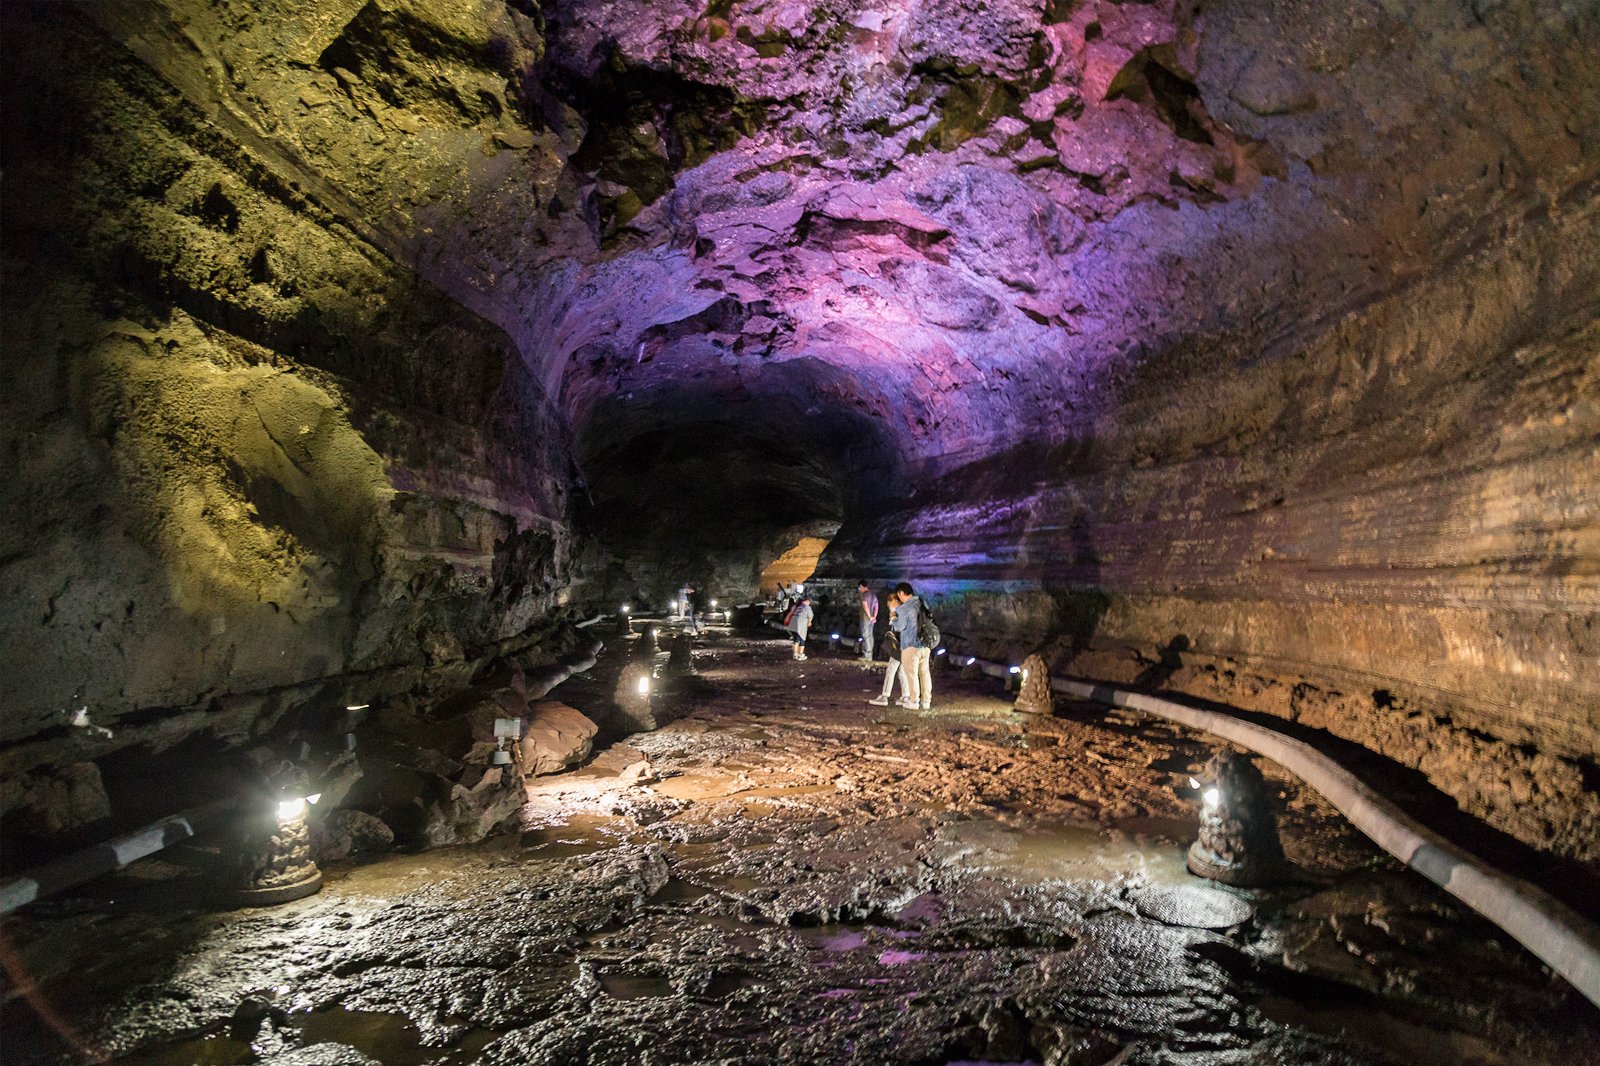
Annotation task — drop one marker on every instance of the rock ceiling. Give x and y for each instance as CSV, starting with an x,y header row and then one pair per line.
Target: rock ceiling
x,y
893,232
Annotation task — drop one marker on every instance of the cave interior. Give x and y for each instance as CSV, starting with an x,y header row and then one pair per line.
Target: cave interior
x,y
378,373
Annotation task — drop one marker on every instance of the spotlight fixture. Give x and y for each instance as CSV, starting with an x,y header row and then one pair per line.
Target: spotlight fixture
x,y
504,729
1015,670
940,651
644,686
290,810
626,609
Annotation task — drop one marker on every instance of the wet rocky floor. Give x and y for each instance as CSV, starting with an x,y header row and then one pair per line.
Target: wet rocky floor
x,y
810,879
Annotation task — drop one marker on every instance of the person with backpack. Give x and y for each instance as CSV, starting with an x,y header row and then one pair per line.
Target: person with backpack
x,y
798,623
913,625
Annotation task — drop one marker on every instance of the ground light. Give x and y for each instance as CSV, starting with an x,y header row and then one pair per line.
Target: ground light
x,y
1034,695
275,853
633,698
1238,841
680,659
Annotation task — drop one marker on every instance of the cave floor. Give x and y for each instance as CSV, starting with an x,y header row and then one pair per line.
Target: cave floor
x,y
811,879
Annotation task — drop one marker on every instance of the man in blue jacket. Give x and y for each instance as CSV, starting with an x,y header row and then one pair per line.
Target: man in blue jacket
x,y
915,677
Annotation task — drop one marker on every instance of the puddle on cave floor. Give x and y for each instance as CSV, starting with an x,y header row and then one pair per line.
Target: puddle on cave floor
x,y
581,834
1045,852
391,1039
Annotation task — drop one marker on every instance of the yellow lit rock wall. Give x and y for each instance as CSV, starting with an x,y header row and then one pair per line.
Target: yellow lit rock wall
x,y
256,466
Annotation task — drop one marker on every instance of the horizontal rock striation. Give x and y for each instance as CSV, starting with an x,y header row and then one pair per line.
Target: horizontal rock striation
x,y
1389,532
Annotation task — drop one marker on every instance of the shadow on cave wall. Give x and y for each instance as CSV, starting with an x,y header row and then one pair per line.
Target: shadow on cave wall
x,y
1158,673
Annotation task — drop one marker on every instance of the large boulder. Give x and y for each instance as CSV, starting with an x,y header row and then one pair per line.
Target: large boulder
x,y
557,737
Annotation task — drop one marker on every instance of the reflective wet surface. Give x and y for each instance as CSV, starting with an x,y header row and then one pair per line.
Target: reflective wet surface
x,y
809,880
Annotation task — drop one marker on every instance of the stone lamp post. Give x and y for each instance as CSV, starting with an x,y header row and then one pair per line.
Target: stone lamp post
x,y
680,661
275,853
1238,842
1035,696
633,697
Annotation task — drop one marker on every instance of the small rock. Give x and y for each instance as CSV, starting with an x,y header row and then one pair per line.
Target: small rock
x,y
248,1017
328,844
513,139
1193,906
616,758
639,773
365,831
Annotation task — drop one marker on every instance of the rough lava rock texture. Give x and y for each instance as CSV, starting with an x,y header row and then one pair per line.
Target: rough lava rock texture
x,y
1247,349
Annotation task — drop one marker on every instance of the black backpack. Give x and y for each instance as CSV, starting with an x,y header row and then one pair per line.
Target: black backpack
x,y
927,628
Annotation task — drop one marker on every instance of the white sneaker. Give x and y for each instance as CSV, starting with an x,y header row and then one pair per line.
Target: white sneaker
x,y
907,706
926,707
799,658
879,701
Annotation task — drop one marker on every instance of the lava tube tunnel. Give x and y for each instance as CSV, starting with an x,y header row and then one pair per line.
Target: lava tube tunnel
x,y
929,532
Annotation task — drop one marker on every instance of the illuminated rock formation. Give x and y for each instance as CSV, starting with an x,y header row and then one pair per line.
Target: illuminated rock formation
x,y
1248,350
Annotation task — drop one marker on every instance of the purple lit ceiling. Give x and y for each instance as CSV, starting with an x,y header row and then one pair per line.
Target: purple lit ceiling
x,y
920,232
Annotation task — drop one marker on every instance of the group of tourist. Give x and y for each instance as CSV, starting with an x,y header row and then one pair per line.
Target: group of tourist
x,y
908,644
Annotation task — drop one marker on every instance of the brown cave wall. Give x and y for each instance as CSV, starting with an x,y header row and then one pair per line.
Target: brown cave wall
x,y
1390,532
256,465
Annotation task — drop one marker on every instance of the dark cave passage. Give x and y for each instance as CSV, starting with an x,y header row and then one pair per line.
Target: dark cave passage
x,y
416,406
